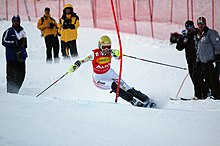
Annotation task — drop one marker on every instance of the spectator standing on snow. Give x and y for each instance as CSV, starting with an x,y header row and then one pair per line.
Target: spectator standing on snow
x,y
14,40
48,27
67,29
104,76
187,42
208,57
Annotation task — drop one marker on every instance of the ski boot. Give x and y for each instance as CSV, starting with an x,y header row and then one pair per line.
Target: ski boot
x,y
122,93
147,102
135,102
150,104
142,97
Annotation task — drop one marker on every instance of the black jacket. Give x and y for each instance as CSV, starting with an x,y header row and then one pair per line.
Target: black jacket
x,y
187,43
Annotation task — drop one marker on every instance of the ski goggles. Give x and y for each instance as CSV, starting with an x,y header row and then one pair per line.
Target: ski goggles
x,y
106,47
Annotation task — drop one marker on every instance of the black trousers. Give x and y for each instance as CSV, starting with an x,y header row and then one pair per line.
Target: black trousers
x,y
52,43
15,74
203,90
191,68
69,46
208,72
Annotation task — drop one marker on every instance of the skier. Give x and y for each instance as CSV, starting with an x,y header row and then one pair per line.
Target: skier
x,y
104,76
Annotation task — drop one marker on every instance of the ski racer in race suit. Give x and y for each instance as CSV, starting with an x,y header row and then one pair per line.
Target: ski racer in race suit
x,y
104,76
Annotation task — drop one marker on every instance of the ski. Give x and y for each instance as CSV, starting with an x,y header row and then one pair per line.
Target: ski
x,y
183,99
174,98
186,99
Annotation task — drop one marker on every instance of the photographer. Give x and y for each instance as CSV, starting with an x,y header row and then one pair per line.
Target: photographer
x,y
15,42
48,28
67,29
187,41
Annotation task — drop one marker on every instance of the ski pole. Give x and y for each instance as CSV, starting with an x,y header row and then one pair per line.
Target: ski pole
x,y
154,62
178,92
52,84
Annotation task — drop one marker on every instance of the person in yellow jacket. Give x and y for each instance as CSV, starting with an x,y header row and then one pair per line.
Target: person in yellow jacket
x,y
48,27
67,29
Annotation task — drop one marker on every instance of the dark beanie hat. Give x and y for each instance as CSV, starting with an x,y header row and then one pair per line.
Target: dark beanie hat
x,y
47,9
189,24
16,17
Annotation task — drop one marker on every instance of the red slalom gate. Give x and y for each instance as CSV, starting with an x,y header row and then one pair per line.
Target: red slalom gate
x,y
119,39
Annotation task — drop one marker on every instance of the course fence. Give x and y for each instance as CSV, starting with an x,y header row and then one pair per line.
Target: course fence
x,y
154,18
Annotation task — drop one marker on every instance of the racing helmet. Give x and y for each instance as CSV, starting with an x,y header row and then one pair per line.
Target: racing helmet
x,y
104,44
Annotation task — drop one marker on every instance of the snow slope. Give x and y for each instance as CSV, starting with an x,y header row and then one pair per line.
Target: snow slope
x,y
75,112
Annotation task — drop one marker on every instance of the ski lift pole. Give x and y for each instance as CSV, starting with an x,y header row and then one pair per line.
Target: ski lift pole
x,y
154,62
52,84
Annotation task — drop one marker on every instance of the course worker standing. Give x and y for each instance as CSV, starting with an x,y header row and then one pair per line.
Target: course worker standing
x,y
14,40
67,29
48,27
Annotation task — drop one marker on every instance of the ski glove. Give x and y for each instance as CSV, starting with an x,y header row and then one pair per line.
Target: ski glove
x,y
115,53
74,67
72,26
184,32
51,25
78,63
217,58
65,25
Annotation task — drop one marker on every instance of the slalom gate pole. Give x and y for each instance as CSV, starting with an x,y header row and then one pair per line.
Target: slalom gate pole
x,y
52,84
26,7
155,62
120,44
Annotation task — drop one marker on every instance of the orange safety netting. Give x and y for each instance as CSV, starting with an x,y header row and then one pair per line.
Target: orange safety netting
x,y
144,17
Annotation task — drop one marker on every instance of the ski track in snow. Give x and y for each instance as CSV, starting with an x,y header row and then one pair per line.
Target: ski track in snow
x,y
75,112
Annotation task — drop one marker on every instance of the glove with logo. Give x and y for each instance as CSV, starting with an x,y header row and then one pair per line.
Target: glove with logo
x,y
74,67
184,32
115,53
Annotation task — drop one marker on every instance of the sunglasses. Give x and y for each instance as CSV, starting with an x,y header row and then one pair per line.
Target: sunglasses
x,y
200,23
68,11
16,21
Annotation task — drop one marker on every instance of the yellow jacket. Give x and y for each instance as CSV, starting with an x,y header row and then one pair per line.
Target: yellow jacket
x,y
68,34
44,25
